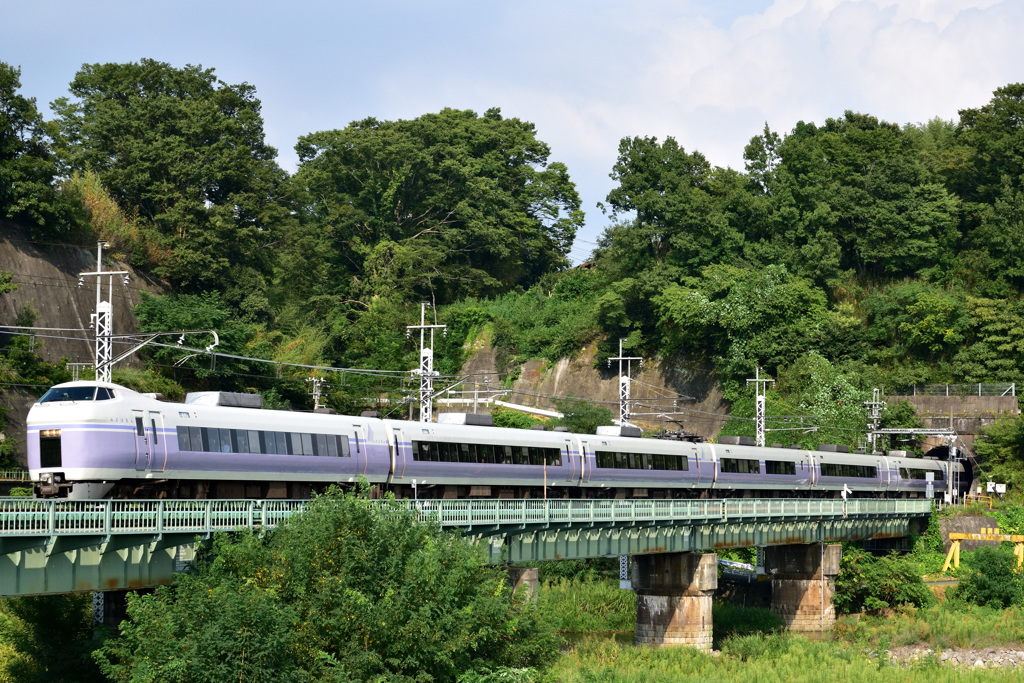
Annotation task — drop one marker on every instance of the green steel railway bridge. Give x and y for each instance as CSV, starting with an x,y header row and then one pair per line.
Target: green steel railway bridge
x,y
61,546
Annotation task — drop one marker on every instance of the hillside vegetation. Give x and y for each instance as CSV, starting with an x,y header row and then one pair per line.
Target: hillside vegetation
x,y
847,254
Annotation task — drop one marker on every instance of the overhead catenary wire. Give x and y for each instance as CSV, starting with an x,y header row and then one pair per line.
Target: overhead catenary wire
x,y
688,412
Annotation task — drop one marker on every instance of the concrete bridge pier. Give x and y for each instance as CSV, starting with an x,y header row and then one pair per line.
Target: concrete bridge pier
x,y
524,576
803,584
673,598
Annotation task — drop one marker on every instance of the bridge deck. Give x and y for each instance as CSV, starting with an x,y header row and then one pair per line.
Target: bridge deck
x,y
67,545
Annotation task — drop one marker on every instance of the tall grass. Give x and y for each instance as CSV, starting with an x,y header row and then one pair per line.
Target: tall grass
x,y
761,658
938,627
588,606
733,620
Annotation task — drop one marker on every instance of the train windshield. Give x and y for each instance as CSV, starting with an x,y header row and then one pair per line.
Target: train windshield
x,y
75,394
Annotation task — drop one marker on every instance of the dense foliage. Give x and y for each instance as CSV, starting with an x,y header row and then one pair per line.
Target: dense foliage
x,y
186,152
349,590
888,251
28,167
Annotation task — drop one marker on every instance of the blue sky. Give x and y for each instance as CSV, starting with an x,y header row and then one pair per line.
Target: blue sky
x,y
710,74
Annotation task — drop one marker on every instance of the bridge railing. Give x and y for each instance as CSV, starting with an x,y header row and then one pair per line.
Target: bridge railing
x,y
470,513
32,517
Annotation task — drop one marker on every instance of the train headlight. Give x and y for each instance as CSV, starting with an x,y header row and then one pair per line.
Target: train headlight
x,y
50,432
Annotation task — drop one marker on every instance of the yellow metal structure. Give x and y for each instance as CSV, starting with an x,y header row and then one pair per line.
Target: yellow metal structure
x,y
986,534
978,498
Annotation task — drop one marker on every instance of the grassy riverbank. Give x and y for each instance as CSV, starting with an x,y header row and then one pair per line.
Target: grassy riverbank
x,y
761,658
753,646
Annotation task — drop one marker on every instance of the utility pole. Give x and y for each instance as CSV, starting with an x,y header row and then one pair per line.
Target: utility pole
x,y
317,385
103,318
875,404
760,390
426,369
624,382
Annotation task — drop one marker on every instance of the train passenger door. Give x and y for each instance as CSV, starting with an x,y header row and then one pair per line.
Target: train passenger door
x,y
884,473
568,459
157,444
360,448
142,444
398,455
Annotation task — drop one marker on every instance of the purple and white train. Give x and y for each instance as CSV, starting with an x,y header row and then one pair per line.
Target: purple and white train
x,y
95,439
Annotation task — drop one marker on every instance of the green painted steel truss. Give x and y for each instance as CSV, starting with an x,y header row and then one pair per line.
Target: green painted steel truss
x,y
58,546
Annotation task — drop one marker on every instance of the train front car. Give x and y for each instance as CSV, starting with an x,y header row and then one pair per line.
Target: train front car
x,y
79,435
91,439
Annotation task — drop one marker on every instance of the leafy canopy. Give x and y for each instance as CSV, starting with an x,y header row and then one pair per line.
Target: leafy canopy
x,y
349,590
185,151
435,208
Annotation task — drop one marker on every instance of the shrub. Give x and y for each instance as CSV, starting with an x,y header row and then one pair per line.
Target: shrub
x,y
348,590
992,580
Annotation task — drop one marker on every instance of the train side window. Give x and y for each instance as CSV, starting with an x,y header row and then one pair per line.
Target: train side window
x,y
140,429
103,394
740,466
227,444
320,444
184,443
556,457
421,451
254,441
242,437
307,444
779,467
211,439
485,451
343,450
196,438
829,469
683,464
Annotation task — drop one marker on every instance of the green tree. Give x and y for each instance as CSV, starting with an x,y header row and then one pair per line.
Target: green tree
x,y
185,151
993,580
580,416
1000,451
206,311
51,637
677,198
350,590
856,183
27,164
744,317
434,208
